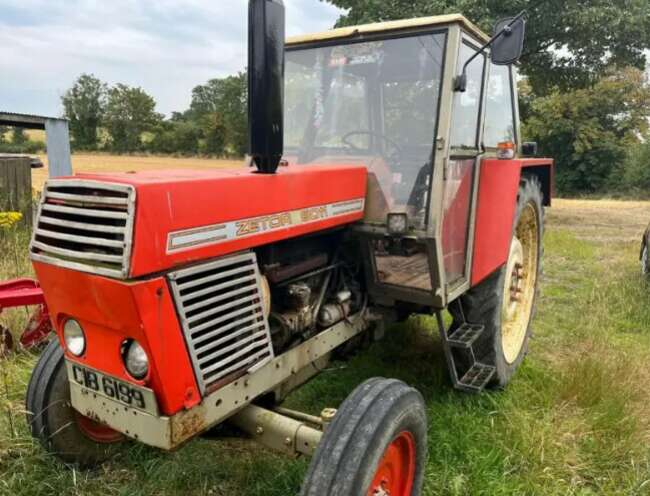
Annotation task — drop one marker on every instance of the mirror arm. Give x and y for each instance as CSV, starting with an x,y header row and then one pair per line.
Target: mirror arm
x,y
460,82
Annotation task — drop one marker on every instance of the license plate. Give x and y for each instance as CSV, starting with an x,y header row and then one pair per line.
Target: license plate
x,y
127,394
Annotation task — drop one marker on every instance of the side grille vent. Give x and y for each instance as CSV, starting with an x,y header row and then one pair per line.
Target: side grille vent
x,y
85,225
221,309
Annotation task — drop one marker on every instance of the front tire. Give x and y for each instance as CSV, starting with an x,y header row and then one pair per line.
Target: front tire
x,y
645,260
376,444
61,430
504,303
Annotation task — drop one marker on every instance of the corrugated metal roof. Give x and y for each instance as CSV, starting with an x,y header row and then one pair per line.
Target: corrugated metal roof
x,y
25,120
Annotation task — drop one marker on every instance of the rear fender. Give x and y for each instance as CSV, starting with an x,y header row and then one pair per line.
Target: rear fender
x,y
495,209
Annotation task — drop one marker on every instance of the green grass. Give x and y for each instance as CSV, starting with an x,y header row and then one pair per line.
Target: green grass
x,y
573,422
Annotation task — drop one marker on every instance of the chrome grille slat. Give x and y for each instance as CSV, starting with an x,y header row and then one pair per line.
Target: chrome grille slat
x,y
198,340
77,255
225,285
225,318
85,225
87,212
88,199
210,278
80,239
220,307
217,310
227,349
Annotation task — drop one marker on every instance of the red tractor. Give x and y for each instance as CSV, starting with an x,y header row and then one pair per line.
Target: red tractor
x,y
388,181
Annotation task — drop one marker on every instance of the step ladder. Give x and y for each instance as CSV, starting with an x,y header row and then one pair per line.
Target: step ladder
x,y
461,343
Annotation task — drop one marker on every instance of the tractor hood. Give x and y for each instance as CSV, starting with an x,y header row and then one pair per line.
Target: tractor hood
x,y
129,225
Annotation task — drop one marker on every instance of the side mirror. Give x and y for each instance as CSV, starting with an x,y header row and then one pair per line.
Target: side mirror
x,y
507,44
507,48
529,149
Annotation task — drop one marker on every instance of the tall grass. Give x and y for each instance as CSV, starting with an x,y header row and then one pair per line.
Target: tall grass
x,y
574,421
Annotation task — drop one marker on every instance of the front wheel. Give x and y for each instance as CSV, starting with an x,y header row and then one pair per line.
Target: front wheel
x,y
504,303
61,430
375,446
645,260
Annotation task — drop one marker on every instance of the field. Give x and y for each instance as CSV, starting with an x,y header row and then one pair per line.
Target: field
x,y
574,421
125,163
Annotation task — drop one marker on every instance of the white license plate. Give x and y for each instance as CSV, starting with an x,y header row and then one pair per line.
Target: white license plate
x,y
127,394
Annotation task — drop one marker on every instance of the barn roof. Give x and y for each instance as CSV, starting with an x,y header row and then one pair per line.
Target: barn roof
x,y
27,121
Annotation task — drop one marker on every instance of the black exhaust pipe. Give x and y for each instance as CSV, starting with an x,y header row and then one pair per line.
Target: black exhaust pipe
x,y
266,83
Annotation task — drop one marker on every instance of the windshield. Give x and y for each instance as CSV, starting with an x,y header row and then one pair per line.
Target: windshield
x,y
373,102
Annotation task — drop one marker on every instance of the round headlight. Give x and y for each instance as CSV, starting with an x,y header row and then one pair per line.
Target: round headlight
x,y
136,360
74,338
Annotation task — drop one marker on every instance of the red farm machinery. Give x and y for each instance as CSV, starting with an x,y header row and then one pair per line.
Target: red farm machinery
x,y
389,178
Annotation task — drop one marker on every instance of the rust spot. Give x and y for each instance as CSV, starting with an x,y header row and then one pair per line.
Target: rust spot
x,y
188,425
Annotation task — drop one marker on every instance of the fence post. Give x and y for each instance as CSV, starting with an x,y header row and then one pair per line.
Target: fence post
x,y
16,186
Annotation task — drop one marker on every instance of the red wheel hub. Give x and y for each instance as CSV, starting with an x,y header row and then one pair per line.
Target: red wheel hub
x,y
96,431
396,469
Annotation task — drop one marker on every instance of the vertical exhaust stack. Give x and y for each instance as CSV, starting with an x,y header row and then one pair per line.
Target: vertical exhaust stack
x,y
266,83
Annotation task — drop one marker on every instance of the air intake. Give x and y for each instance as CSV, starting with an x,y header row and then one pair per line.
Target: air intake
x,y
221,310
86,226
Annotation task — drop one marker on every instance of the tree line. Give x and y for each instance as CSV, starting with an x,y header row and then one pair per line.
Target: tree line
x,y
584,92
123,119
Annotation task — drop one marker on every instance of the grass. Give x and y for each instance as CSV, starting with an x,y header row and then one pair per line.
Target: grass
x,y
574,421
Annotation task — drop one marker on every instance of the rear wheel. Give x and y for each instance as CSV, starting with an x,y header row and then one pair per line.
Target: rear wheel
x,y
505,302
62,430
375,446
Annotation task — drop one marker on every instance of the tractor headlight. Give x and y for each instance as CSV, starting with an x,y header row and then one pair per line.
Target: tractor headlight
x,y
397,223
135,359
73,335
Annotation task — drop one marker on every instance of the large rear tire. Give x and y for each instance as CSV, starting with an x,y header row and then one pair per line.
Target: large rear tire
x,y
376,444
61,430
505,301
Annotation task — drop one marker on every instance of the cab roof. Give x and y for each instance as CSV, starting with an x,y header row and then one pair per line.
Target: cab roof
x,y
351,32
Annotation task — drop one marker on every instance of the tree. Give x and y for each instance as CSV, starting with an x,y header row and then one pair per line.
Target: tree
x,y
83,106
569,43
129,113
19,136
589,131
221,107
3,133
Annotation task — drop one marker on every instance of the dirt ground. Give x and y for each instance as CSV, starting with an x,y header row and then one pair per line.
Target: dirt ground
x,y
124,163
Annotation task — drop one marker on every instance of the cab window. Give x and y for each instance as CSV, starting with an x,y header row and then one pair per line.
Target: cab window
x,y
499,114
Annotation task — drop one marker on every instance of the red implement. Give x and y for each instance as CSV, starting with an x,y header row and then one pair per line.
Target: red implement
x,y
22,293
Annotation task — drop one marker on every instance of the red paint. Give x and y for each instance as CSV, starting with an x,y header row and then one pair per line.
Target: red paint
x,y
495,210
396,470
27,292
169,201
111,311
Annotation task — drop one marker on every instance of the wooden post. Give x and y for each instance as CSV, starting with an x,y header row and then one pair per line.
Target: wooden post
x,y
16,186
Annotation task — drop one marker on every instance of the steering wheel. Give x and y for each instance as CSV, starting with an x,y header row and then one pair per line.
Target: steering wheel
x,y
397,150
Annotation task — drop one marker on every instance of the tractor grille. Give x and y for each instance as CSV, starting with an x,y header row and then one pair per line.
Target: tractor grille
x,y
221,309
85,225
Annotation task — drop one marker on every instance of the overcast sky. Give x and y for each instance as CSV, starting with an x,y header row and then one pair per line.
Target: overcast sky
x,y
165,46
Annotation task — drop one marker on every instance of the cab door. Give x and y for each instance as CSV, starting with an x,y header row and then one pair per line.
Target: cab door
x,y
461,170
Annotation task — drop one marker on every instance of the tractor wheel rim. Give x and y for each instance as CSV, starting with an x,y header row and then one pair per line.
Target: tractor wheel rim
x,y
97,432
520,283
396,470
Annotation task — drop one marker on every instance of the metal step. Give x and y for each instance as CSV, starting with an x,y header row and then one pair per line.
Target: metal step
x,y
465,335
477,377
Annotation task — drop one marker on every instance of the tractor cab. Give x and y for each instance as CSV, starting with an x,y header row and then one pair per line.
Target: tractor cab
x,y
388,96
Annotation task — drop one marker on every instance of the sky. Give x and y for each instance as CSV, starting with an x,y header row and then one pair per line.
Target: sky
x,y
164,46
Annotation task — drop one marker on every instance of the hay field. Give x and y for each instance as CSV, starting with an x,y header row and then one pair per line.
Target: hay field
x,y
98,162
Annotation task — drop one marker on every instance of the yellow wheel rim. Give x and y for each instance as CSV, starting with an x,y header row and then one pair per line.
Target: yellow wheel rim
x,y
520,283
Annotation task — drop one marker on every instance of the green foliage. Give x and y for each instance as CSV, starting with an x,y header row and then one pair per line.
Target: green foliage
x,y
635,174
589,131
129,113
176,137
568,43
18,136
84,106
220,107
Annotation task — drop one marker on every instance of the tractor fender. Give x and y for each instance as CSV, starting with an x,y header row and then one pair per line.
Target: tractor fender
x,y
495,209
